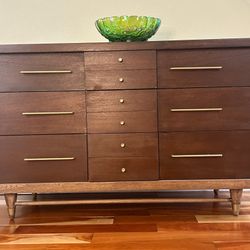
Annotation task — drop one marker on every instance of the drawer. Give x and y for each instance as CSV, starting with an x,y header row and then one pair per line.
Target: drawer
x,y
203,68
42,113
120,79
123,145
120,60
123,169
124,100
43,158
45,71
205,155
204,109
122,122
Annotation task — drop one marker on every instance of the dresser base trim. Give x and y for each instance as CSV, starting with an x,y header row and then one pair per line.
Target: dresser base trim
x,y
124,186
123,201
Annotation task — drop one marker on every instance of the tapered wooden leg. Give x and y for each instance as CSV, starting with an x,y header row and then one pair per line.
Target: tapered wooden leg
x,y
236,195
216,192
10,200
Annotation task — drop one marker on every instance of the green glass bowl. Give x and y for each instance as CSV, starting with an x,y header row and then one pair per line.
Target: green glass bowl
x,y
127,28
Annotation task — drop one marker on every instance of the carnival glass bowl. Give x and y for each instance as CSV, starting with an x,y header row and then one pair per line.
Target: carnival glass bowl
x,y
127,28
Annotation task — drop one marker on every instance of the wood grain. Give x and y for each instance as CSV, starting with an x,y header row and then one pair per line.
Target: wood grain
x,y
222,218
14,149
234,102
110,60
120,101
136,186
12,105
60,220
135,227
234,62
48,239
110,79
234,146
136,114
123,145
114,46
109,122
123,169
12,64
85,228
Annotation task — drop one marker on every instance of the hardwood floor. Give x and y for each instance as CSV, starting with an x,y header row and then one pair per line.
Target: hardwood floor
x,y
205,226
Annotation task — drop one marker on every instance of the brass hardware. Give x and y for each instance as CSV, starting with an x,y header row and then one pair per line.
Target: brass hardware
x,y
123,145
50,159
120,59
197,155
122,122
45,72
121,100
196,110
123,170
48,113
121,79
197,68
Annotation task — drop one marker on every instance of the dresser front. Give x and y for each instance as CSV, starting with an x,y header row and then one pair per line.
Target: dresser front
x,y
128,114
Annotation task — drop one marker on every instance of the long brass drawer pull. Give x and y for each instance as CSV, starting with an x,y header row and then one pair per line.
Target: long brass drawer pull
x,y
197,68
48,113
45,71
50,159
196,110
197,155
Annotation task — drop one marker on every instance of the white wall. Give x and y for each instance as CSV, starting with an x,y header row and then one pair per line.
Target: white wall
x,y
58,21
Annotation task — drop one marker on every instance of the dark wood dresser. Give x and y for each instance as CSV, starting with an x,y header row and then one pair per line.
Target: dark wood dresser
x,y
141,116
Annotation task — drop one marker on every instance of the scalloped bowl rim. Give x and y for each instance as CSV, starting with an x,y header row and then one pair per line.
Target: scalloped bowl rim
x,y
101,18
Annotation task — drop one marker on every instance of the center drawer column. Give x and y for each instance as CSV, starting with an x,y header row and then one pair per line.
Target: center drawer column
x,y
122,115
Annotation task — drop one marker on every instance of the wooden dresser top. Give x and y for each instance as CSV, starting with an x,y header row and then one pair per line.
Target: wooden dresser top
x,y
159,45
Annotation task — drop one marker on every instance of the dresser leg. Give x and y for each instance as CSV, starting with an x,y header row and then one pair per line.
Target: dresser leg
x,y
236,195
34,196
216,192
10,200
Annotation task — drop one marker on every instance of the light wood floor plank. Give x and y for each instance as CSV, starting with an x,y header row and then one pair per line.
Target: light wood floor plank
x,y
47,239
62,221
222,219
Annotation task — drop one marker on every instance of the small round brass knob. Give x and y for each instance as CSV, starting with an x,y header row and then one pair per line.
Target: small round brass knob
x,y
122,122
123,145
120,59
121,100
123,170
121,79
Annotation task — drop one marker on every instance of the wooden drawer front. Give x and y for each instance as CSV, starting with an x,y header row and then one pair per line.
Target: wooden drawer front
x,y
43,158
42,113
122,122
230,67
204,109
123,145
202,155
120,60
125,100
123,169
46,71
120,79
